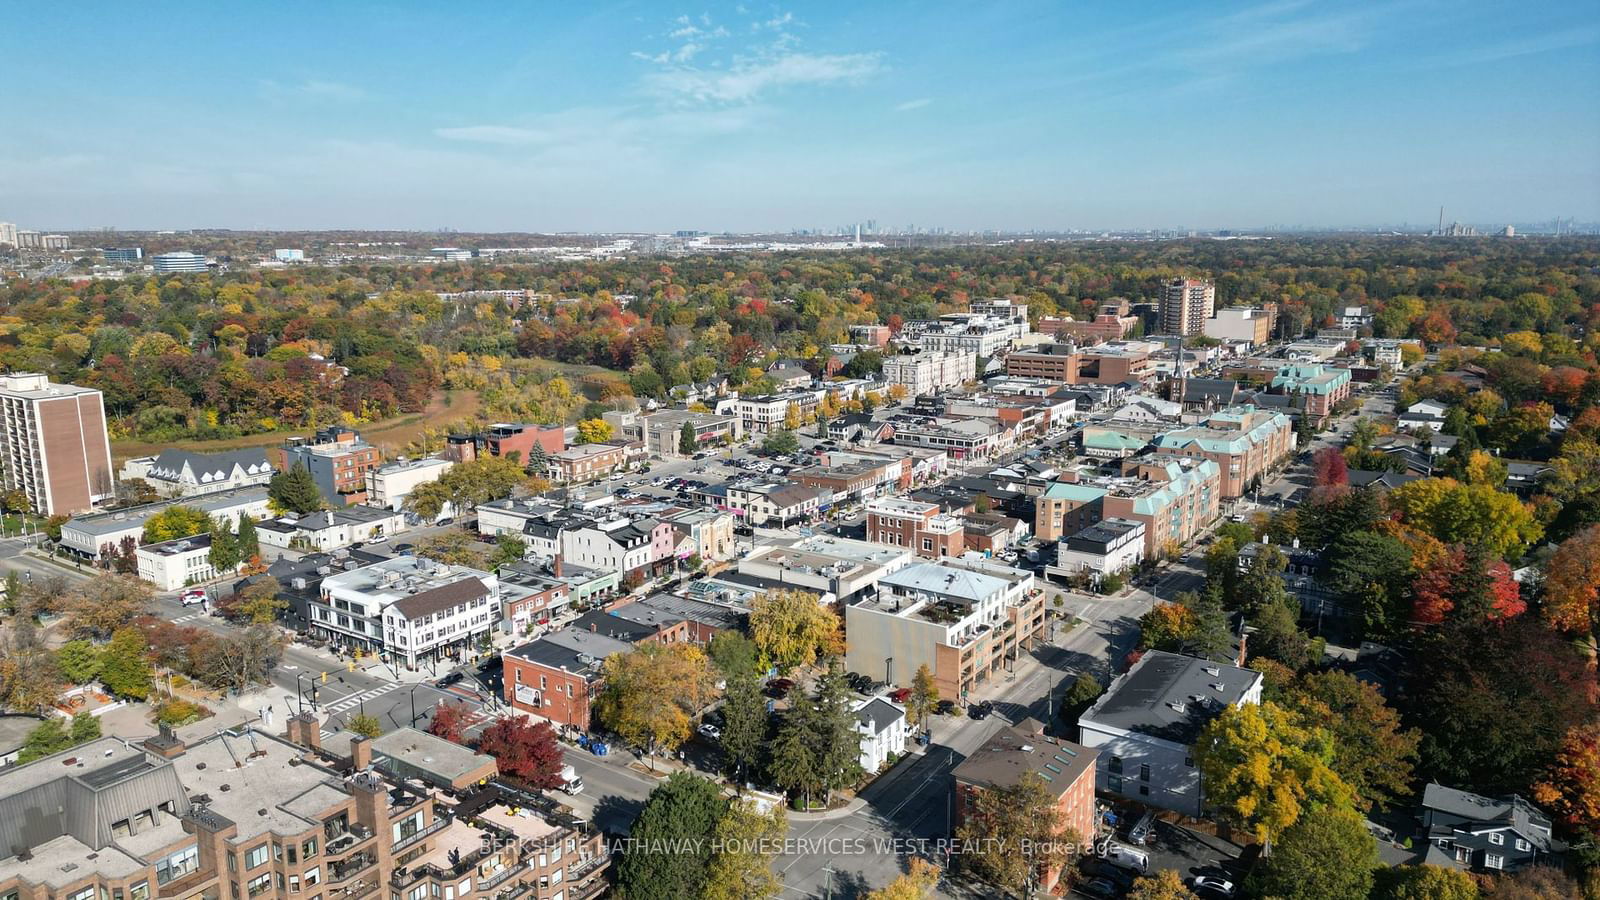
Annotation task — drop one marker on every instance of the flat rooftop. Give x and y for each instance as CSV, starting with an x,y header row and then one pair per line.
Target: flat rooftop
x,y
1170,696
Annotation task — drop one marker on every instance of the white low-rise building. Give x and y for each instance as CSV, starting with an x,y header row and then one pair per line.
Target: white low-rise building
x,y
331,529
389,485
417,610
181,473
93,536
1105,548
1146,722
170,565
885,728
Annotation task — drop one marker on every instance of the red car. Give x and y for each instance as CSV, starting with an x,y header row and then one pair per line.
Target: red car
x,y
901,695
779,687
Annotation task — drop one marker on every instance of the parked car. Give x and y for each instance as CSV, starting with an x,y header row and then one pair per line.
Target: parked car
x,y
980,710
779,687
1099,868
1212,886
1100,887
193,596
380,539
947,707
1143,830
709,731
858,682
447,520
900,695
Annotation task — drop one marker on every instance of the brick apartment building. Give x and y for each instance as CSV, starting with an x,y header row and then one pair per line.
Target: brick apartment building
x,y
1174,496
915,525
1066,769
1244,442
504,439
338,460
53,444
1071,364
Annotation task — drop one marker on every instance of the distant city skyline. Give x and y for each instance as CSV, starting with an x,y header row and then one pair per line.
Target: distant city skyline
x,y
759,118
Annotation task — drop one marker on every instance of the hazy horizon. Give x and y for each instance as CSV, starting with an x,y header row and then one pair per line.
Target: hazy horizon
x,y
757,118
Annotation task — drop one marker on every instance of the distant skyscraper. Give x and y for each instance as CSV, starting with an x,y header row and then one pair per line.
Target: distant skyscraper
x,y
1188,304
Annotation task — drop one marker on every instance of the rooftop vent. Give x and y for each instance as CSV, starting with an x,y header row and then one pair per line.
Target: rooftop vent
x,y
1178,707
1213,671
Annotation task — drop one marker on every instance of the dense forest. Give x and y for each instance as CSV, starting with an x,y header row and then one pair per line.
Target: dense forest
x,y
246,352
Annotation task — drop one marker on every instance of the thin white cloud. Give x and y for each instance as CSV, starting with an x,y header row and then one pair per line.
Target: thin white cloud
x,y
494,134
748,80
333,90
909,105
311,89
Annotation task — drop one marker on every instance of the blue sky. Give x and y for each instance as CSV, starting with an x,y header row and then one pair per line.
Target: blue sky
x,y
643,116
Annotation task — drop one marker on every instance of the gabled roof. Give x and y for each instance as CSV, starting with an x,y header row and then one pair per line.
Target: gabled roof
x,y
441,598
1511,811
878,714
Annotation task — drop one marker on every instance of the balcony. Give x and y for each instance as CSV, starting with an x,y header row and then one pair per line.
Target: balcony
x,y
501,878
439,824
340,872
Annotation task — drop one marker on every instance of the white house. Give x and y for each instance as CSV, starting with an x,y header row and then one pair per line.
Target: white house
x,y
1146,722
389,485
180,473
1105,548
170,565
331,529
884,729
1433,409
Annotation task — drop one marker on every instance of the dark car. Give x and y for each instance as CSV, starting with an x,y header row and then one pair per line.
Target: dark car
x,y
779,687
1099,887
980,710
946,707
1099,868
452,678
858,682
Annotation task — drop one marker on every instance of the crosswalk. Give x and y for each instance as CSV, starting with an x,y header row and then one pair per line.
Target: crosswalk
x,y
355,700
189,618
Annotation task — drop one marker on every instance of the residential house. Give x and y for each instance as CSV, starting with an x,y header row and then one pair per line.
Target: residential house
x,y
1485,834
885,730
181,473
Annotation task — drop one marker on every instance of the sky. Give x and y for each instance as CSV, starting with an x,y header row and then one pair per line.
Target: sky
x,y
748,116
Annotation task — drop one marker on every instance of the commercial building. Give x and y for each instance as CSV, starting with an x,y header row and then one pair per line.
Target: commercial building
x,y
338,460
1103,327
1016,751
123,254
558,676
707,533
831,567
965,621
289,255
784,503
976,333
390,484
93,536
1072,364
1108,547
170,565
1145,724
619,544
586,462
1322,388
178,261
331,529
415,609
871,335
915,525
770,412
929,372
53,444
245,813
961,439
1251,324
181,473
1174,497
505,439
1187,304
851,478
1357,317
1245,443
662,432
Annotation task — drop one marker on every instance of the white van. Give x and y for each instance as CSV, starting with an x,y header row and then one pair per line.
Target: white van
x,y
1126,857
571,781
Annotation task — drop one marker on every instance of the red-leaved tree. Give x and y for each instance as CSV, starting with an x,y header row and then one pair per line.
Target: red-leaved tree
x,y
525,751
1441,589
1328,469
449,721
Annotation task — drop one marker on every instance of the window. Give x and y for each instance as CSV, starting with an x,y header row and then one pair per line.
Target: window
x,y
85,894
313,875
1493,861
259,884
1523,845
294,884
121,828
178,865
309,849
1114,783
1115,766
140,891
1144,790
1496,838
1144,773
255,857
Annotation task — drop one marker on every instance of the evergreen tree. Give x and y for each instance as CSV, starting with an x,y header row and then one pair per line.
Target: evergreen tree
x,y
1212,637
794,765
295,491
838,747
124,668
671,847
248,542
85,728
13,595
744,724
688,442
224,555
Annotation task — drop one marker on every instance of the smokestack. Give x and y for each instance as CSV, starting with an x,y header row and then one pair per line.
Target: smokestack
x,y
557,567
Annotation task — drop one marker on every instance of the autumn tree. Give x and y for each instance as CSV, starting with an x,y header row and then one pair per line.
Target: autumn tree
x,y
594,431
1572,583
259,603
450,721
524,750
793,630
1167,626
239,660
924,695
1264,770
99,607
79,661
745,844
175,522
1019,835
919,878
1469,514
1470,583
1164,885
125,665
652,693
1371,751
30,680
1328,471
456,548
1423,882
1571,787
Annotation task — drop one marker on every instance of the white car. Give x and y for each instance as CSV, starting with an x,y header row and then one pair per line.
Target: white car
x,y
193,596
709,731
1213,886
380,539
